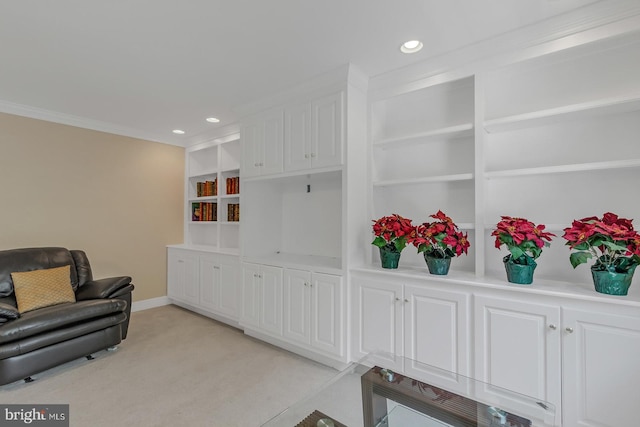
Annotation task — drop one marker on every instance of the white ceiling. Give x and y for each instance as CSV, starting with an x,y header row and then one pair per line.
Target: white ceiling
x,y
145,67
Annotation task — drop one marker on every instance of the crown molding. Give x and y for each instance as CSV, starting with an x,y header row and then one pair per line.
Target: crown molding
x,y
587,24
81,122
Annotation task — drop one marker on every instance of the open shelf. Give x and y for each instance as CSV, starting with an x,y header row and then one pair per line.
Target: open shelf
x,y
580,167
616,105
451,132
425,180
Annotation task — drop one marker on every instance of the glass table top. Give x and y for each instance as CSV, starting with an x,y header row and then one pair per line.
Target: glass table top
x,y
366,394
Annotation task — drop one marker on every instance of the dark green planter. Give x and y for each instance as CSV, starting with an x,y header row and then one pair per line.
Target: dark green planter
x,y
389,258
519,273
610,283
437,266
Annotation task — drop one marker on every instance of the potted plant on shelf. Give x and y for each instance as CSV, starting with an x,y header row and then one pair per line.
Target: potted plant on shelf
x,y
525,241
391,237
614,244
440,241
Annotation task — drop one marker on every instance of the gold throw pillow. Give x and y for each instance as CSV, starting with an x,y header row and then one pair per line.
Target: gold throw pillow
x,y
42,288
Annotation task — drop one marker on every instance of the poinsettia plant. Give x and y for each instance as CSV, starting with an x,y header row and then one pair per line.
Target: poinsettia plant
x,y
523,238
441,238
392,232
611,240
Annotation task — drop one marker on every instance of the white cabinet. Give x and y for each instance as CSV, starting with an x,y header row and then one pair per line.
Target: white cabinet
x,y
313,136
262,139
219,284
600,367
313,310
581,358
377,320
205,281
517,348
262,298
183,279
421,322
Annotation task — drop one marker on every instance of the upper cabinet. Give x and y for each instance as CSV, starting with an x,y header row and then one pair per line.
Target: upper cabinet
x,y
262,144
314,133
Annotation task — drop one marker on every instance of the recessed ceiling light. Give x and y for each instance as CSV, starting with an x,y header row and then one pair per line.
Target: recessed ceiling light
x,y
412,46
213,120
178,132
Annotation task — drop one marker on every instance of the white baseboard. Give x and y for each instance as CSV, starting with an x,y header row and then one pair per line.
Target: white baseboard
x,y
149,303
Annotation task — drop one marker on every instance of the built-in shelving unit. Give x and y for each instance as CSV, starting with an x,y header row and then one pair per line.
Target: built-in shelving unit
x,y
561,143
216,162
551,138
423,156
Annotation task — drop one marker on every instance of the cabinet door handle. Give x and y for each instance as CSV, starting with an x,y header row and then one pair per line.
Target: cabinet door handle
x,y
406,300
180,260
215,267
313,154
256,164
397,299
306,156
569,330
553,327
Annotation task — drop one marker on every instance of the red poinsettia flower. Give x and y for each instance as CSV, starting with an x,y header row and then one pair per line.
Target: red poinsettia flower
x,y
522,237
611,240
392,231
441,238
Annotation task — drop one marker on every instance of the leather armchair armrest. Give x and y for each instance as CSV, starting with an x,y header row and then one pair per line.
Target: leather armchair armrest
x,y
103,288
8,312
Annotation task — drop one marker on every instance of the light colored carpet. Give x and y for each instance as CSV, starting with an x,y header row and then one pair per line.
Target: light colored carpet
x,y
176,368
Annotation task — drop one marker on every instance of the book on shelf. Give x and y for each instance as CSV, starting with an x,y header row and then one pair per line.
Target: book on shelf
x,y
233,212
204,211
233,185
207,188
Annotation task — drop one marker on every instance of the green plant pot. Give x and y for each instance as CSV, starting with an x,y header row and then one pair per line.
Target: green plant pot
x,y
610,283
389,258
519,273
438,266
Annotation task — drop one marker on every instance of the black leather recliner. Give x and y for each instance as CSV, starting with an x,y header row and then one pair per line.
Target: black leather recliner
x,y
43,338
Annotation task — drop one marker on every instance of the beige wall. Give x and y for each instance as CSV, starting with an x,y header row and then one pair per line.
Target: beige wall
x,y
119,199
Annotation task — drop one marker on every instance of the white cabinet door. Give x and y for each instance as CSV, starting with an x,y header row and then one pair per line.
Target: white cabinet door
x,y
183,284
252,135
436,335
250,294
262,141
297,137
326,313
272,143
601,373
209,282
271,299
517,347
327,131
377,321
297,304
228,287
